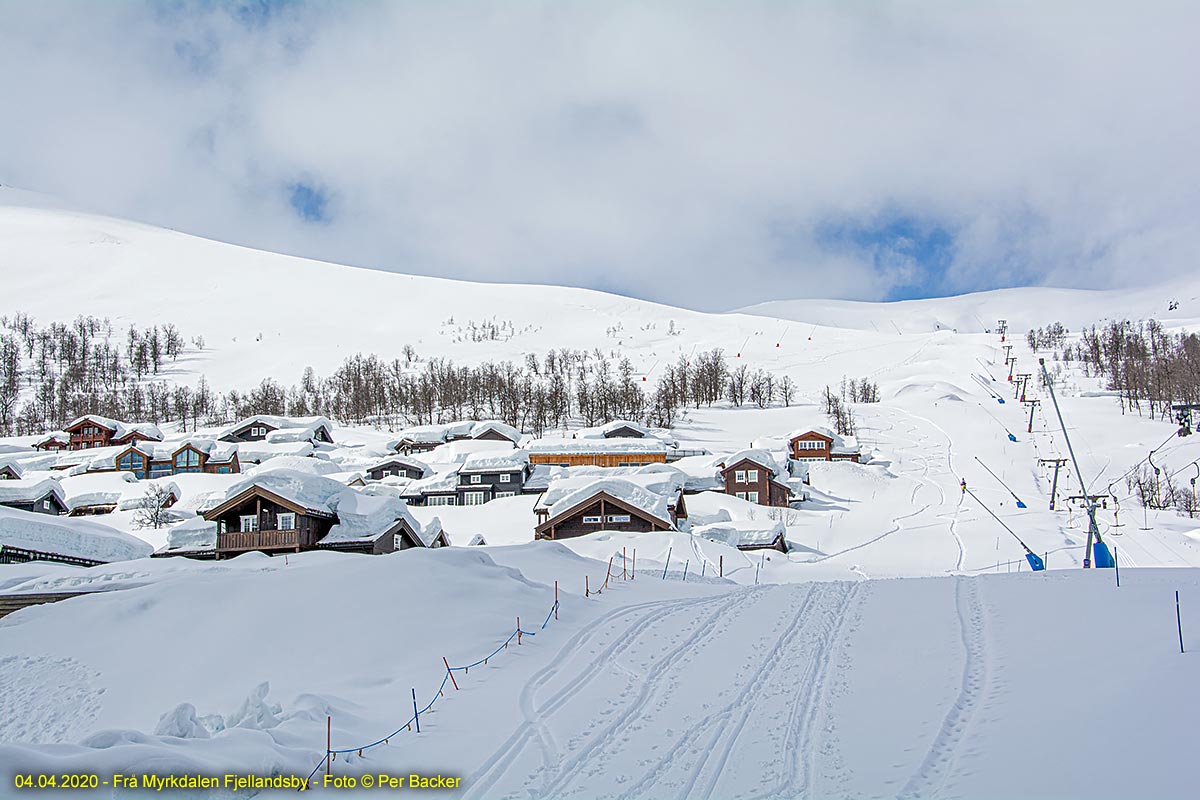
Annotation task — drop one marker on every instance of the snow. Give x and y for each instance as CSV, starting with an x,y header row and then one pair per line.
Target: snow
x,y
314,493
509,461
66,536
742,534
758,456
559,499
28,490
363,517
563,446
806,674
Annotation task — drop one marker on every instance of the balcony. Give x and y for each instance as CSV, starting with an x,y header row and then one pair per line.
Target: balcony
x,y
240,541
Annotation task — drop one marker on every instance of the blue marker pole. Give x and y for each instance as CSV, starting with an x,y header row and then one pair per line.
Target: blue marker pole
x,y
416,714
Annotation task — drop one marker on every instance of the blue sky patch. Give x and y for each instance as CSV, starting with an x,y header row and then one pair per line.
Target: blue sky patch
x,y
310,202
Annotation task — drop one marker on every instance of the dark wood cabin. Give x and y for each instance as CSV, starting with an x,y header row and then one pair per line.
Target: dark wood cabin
x,y
47,502
259,519
8,472
397,467
600,511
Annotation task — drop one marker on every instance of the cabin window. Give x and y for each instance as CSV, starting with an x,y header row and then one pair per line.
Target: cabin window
x,y
249,523
222,470
393,472
740,476
752,476
618,518
474,498
286,522
741,495
505,494
506,478
441,500
807,445
752,497
45,505
476,478
187,461
593,519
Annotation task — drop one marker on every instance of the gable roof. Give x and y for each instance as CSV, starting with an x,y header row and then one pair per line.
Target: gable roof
x,y
28,490
503,461
840,444
14,468
743,533
560,446
296,426
301,492
762,458
624,493
404,461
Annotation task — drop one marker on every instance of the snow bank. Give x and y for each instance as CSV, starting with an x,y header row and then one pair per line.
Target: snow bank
x,y
66,536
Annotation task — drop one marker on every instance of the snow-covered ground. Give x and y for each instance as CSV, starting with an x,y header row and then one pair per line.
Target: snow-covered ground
x,y
805,674
949,687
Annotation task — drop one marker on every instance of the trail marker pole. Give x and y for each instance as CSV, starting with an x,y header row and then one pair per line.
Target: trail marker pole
x,y
633,567
556,599
416,714
586,591
450,672
685,567
609,574
623,576
1178,621
1117,566
329,726
721,567
703,568
664,577
518,630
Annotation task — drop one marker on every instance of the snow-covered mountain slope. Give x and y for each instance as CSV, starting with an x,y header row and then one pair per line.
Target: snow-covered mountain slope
x,y
1023,308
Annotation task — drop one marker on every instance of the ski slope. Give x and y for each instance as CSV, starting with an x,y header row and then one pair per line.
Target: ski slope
x,y
948,687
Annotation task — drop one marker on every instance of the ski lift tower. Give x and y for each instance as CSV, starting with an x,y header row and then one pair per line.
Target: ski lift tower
x,y
1183,416
1002,326
1104,558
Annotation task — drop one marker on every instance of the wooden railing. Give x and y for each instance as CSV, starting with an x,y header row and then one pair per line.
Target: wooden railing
x,y
257,540
20,555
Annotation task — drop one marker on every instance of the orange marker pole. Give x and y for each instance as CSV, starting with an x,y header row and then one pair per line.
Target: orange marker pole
x,y
518,630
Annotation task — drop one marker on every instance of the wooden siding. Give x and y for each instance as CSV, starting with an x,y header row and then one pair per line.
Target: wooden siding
x,y
573,525
770,492
599,459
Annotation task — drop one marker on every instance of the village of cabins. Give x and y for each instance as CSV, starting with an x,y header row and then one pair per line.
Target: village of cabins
x,y
286,486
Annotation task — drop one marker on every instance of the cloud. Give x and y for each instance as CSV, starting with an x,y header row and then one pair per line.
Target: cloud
x,y
709,155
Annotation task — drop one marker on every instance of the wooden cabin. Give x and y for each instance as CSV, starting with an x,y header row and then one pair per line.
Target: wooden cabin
x,y
53,442
37,496
608,505
755,481
397,467
259,519
10,472
619,452
821,444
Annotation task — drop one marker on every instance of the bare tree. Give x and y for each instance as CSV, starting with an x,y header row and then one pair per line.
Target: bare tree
x,y
153,512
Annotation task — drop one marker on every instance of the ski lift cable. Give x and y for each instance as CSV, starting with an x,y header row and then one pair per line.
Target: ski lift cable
x,y
1020,504
1034,560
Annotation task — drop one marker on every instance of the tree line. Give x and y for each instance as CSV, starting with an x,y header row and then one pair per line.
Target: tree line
x,y
65,371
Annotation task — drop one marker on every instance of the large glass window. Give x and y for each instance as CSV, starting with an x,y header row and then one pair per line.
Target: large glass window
x,y
249,523
187,461
474,498
286,522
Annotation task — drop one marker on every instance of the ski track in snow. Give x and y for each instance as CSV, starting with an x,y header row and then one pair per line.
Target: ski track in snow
x,y
762,732
938,768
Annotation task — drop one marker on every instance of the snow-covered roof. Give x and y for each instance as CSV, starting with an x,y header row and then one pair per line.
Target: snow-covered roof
x,y
99,488
572,494
364,517
405,461
441,483
72,537
249,452
668,483
559,446
312,466
313,493
743,533
700,473
762,457
507,431
505,461
30,490
841,444
65,459
430,531
191,536
135,501
279,423
120,429
16,468
54,436
427,434
601,431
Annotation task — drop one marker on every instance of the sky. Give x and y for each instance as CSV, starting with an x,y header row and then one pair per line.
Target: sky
x,y
710,155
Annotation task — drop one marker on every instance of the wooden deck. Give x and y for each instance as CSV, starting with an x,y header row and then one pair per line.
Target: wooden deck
x,y
241,542
15,602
